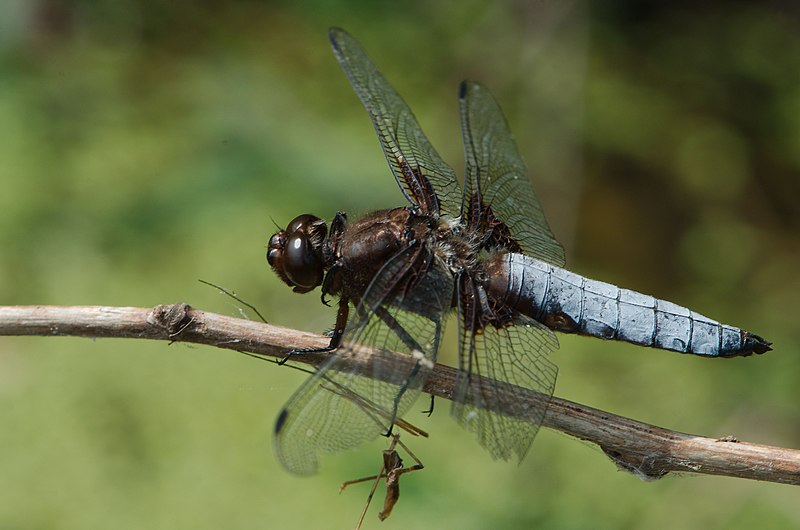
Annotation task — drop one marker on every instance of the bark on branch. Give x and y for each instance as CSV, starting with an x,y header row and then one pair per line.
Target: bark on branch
x,y
648,451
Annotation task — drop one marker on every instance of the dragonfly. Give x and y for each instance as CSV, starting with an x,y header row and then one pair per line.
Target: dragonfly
x,y
482,250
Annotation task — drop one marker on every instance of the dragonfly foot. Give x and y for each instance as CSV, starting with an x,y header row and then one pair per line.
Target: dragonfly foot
x,y
388,434
429,412
303,351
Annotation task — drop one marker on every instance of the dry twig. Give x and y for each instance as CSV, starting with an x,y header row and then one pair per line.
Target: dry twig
x,y
648,451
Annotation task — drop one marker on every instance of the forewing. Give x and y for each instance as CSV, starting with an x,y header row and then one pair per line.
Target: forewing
x,y
426,180
497,177
493,365
339,408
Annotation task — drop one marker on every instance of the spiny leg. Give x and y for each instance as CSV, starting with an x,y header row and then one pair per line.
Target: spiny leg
x,y
336,338
410,343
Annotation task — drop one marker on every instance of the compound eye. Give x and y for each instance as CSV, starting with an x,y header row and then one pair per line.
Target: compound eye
x,y
296,253
310,225
301,264
299,222
275,249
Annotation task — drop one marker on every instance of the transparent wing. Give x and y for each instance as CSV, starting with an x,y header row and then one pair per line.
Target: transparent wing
x,y
492,365
337,408
497,177
426,180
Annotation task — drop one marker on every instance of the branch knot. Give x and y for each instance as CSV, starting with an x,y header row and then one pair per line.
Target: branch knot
x,y
173,318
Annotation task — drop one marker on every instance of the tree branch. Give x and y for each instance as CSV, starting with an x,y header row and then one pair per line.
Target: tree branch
x,y
648,451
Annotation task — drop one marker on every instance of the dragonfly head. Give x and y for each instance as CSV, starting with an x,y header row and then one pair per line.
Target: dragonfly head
x,y
295,254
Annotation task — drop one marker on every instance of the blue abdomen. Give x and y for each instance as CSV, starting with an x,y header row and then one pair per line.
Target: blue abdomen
x,y
571,303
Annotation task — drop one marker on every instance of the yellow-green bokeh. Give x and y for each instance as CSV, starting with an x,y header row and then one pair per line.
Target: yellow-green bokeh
x,y
146,144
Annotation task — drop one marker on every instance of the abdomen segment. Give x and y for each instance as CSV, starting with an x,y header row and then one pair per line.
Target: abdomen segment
x,y
570,303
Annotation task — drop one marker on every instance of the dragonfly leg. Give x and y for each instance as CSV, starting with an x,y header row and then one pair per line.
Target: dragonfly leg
x,y
399,396
336,336
412,345
429,412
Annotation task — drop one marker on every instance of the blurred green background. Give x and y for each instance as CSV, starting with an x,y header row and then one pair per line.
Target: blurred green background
x,y
147,143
